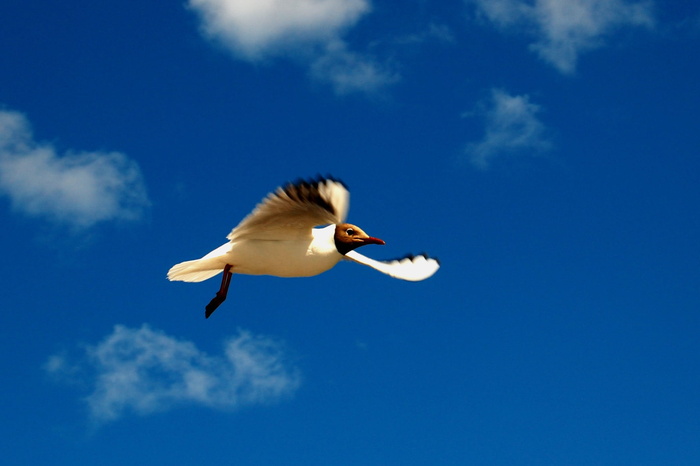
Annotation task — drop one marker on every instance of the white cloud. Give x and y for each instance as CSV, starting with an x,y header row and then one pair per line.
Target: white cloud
x,y
254,29
143,371
76,189
566,28
511,127
309,31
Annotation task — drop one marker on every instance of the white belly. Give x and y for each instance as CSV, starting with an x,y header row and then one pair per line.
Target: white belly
x,y
295,258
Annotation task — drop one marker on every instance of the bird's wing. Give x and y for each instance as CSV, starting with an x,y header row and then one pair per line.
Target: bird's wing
x,y
294,209
411,268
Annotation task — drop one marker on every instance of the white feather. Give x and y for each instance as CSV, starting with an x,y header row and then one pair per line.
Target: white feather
x,y
411,268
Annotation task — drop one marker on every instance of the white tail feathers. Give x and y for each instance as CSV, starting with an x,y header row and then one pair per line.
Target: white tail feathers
x,y
200,269
193,271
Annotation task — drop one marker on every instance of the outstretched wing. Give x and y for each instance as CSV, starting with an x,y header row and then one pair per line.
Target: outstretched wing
x,y
411,268
294,209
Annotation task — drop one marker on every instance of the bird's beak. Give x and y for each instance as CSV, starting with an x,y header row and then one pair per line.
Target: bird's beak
x,y
373,240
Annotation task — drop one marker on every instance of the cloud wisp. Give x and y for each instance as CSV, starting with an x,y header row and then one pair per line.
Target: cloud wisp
x,y
75,189
308,31
143,371
348,72
566,28
512,127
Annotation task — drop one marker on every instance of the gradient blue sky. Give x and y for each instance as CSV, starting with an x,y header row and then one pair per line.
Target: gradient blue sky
x,y
546,151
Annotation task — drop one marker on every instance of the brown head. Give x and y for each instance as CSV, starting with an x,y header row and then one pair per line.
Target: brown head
x,y
348,237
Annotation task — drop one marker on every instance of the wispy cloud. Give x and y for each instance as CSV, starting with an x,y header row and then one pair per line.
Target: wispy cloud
x,y
75,189
512,126
434,32
309,31
566,28
142,371
348,71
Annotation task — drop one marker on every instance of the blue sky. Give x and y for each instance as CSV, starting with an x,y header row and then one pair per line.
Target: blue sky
x,y
546,151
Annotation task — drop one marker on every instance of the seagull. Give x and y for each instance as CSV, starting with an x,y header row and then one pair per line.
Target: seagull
x,y
299,230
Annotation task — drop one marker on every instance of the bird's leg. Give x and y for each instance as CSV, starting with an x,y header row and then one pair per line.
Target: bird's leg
x,y
221,294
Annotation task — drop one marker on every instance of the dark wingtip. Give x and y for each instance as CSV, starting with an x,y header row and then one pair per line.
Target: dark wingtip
x,y
329,177
314,181
306,190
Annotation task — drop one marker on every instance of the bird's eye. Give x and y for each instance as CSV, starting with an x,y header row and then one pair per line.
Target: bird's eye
x,y
350,231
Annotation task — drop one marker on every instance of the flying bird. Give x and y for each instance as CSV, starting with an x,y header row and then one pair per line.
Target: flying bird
x,y
285,236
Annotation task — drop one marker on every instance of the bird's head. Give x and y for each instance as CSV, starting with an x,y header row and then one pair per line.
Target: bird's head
x,y
348,237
